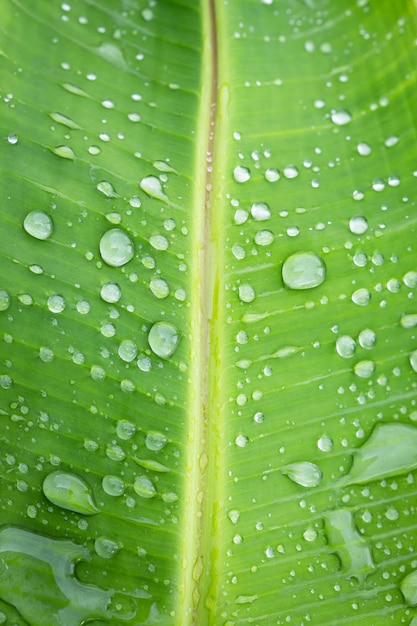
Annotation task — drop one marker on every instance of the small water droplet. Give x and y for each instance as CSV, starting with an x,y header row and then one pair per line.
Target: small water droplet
x,y
364,148
264,237
155,441
310,534
38,224
410,279
290,171
413,360
246,293
56,303
70,492
65,152
358,225
407,320
241,174
303,270
408,587
127,350
341,117
107,189
234,515
46,354
325,443
241,216
12,139
116,247
367,338
303,473
272,175
159,242
159,287
163,339
260,211
64,120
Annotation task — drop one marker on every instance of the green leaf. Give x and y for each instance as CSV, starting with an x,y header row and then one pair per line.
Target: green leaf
x,y
207,306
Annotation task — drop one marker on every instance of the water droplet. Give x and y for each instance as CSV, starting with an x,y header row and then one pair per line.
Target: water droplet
x,y
111,292
240,217
125,429
364,148
408,587
105,547
152,465
116,247
303,270
152,186
56,303
159,287
38,224
162,166
163,339
260,211
407,320
345,346
155,441
410,279
107,189
353,550
325,443
378,184
303,473
367,338
144,487
83,307
65,152
291,171
64,120
70,492
46,354
413,360
113,485
310,534
97,372
358,225
264,237
111,53
361,296
12,139
4,300
159,242
241,441
341,117
246,293
390,450
272,175
241,174
127,350
234,516
364,369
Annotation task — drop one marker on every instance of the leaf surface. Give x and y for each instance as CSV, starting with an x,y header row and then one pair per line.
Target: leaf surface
x,y
209,356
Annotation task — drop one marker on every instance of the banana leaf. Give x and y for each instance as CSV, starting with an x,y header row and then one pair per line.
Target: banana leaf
x,y
208,347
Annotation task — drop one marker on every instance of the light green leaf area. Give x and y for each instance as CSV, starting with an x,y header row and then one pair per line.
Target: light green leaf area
x,y
208,312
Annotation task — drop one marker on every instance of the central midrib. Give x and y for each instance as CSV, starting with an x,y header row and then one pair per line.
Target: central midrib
x,y
199,562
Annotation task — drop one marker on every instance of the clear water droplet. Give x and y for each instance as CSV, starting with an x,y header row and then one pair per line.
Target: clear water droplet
x,y
272,175
12,139
159,287
107,189
111,293
163,339
241,174
56,303
407,320
116,247
367,338
65,152
264,237
364,369
303,473
358,225
155,441
38,224
341,117
127,350
159,242
353,550
364,148
152,186
113,485
410,279
345,346
64,120
413,360
361,296
70,492
4,300
325,443
260,211
241,216
246,293
303,270
105,547
408,587
144,487
46,354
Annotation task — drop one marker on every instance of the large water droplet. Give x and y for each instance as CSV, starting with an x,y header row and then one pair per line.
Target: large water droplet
x,y
125,429
361,296
116,247
407,320
390,450
353,550
159,287
241,174
246,293
303,473
358,225
105,547
303,270
38,224
69,491
111,292
260,211
127,350
113,485
107,189
65,152
364,369
367,338
56,303
144,487
64,120
408,587
163,339
155,441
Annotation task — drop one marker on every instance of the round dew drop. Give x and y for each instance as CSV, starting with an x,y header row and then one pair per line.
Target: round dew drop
x,y
358,225
4,300
304,473
127,350
155,441
159,288
367,338
163,339
241,174
361,296
144,487
364,369
116,247
246,293
113,485
70,492
260,211
341,118
111,293
38,224
345,346
303,270
105,547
